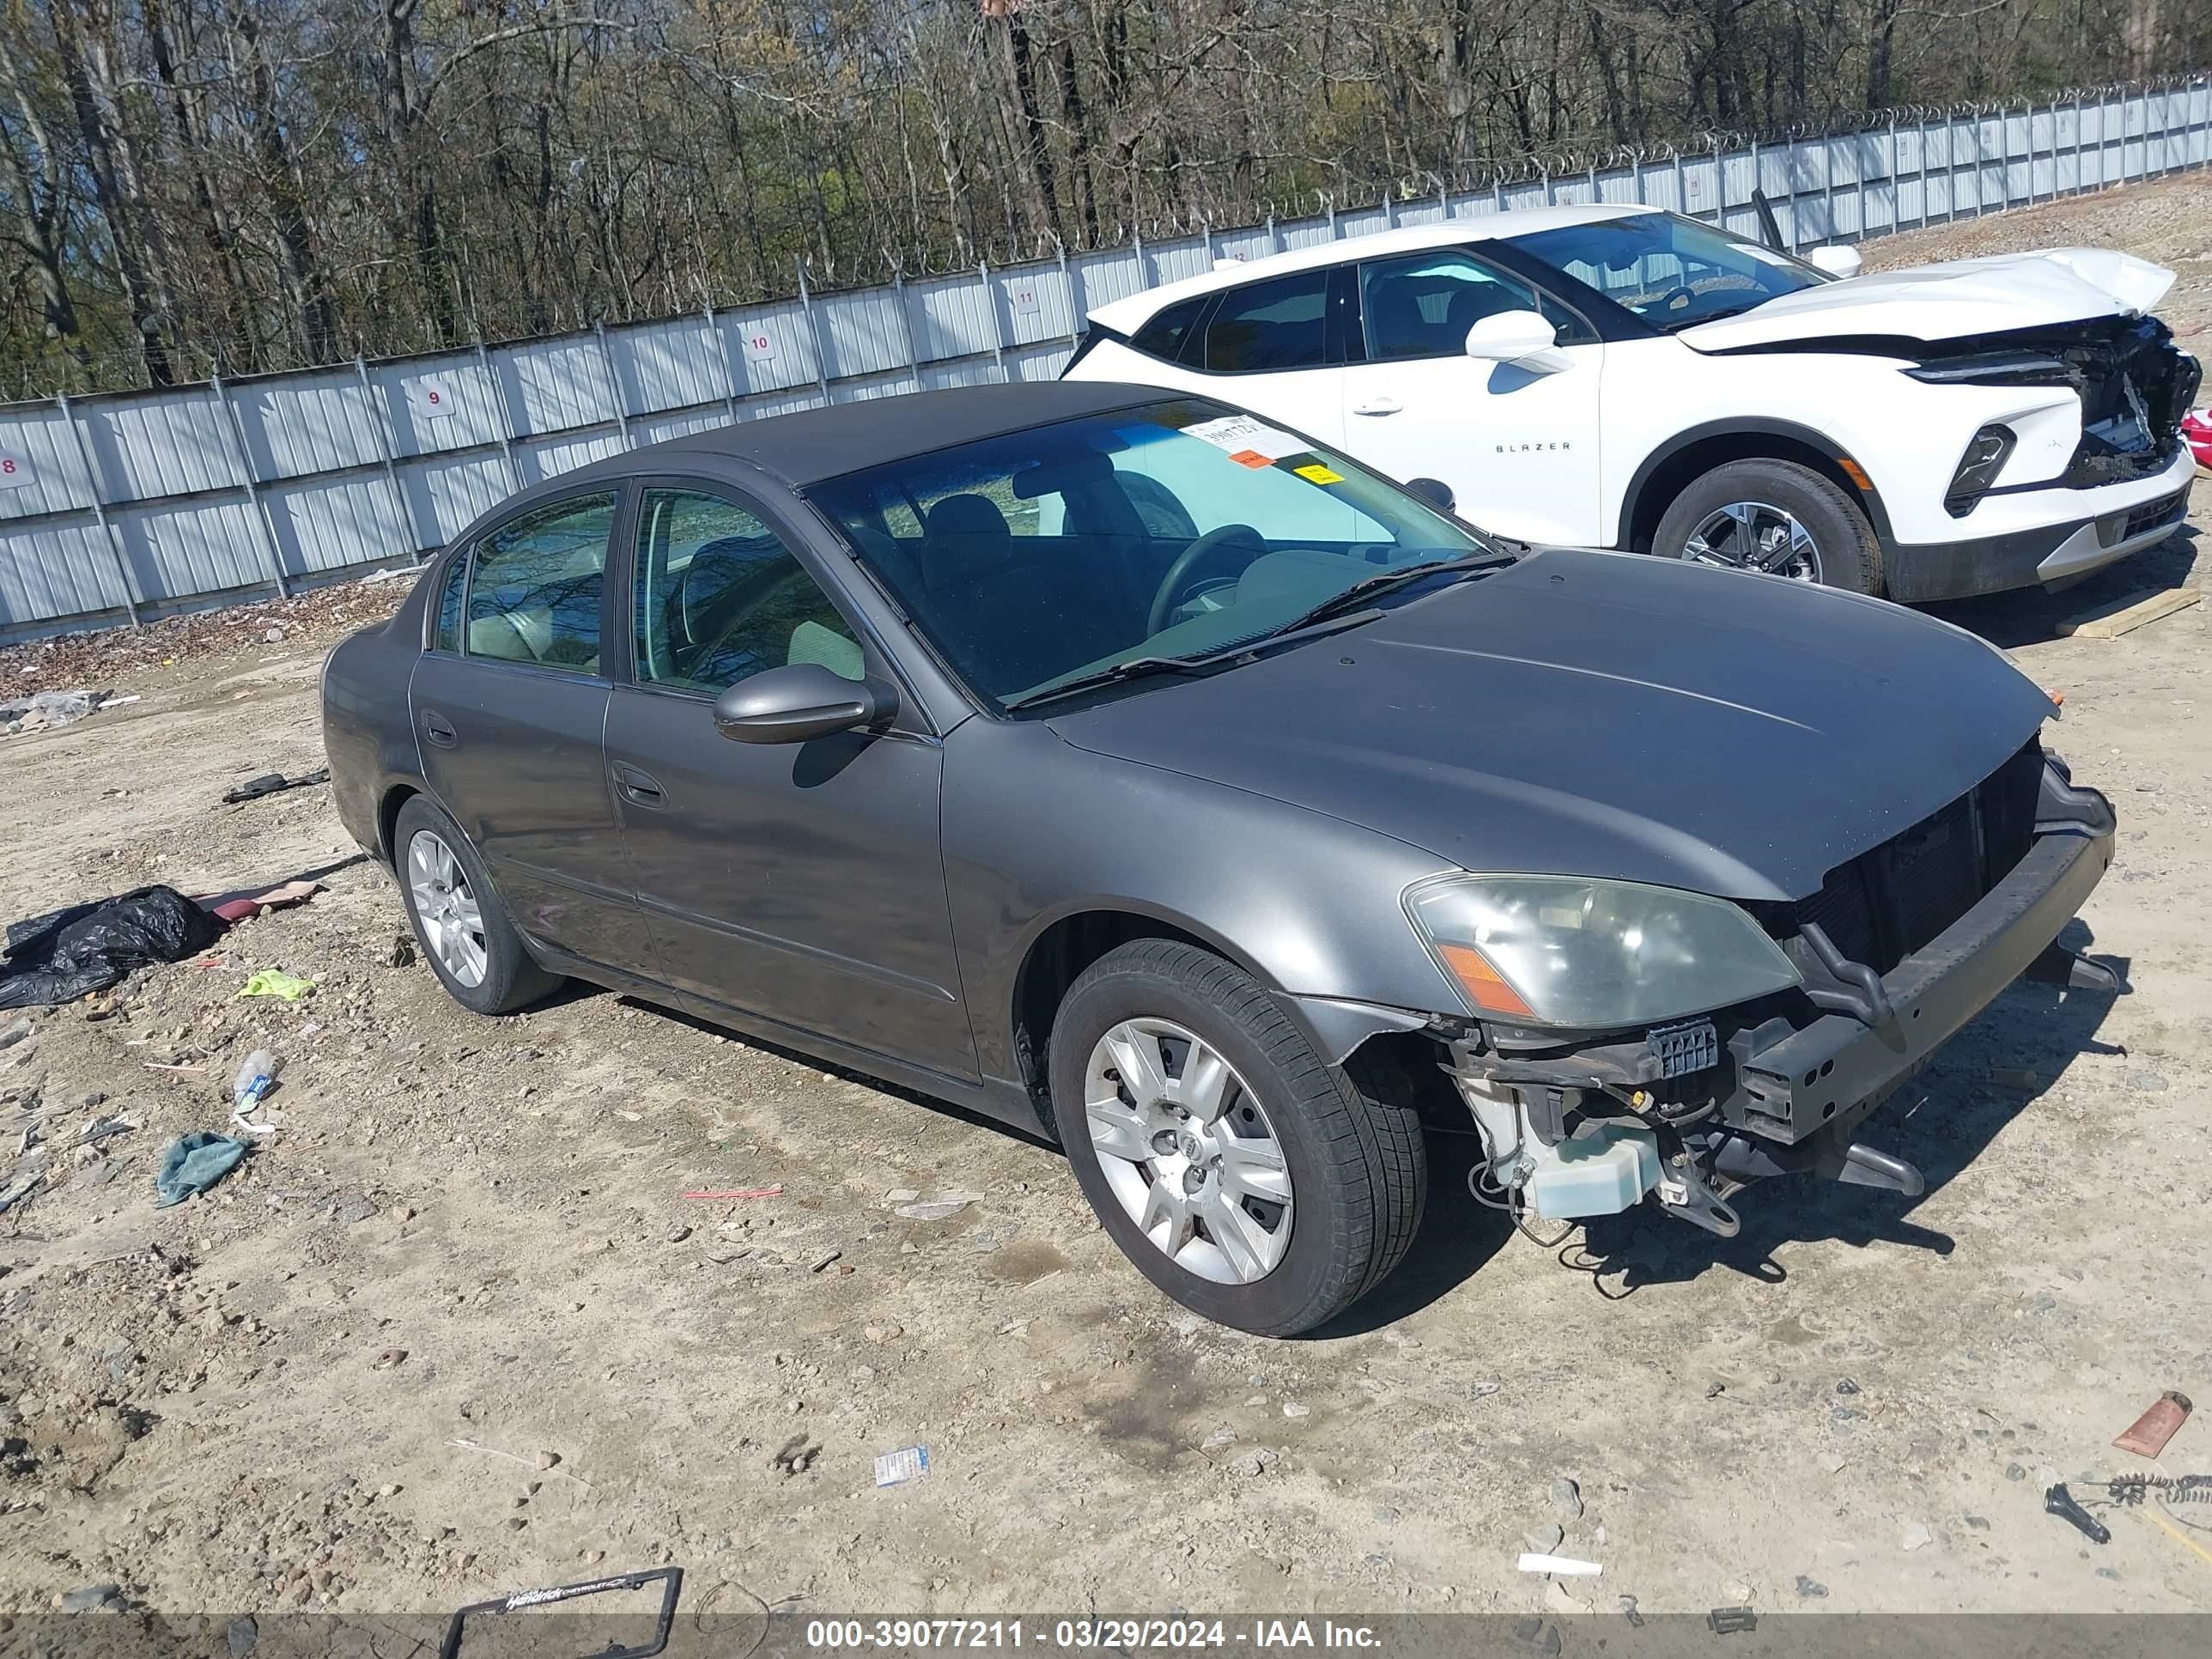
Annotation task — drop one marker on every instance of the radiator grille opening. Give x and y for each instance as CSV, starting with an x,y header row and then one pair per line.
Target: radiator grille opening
x,y
1888,902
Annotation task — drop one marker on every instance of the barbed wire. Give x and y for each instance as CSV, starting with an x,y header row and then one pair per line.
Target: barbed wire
x,y
121,370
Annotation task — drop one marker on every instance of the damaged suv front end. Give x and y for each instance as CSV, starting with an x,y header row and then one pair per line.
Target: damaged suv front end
x,y
1762,1035
2103,402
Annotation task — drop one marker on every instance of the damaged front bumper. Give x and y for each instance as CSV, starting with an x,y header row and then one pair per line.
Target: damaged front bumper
x,y
1691,1113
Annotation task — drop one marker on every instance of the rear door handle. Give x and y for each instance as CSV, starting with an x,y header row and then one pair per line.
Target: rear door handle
x,y
639,788
1378,406
439,729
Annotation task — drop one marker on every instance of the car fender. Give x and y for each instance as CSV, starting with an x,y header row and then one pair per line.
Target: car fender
x,y
1037,831
1790,432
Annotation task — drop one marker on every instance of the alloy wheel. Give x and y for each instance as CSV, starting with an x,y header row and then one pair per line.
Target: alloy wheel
x,y
1189,1151
453,923
1755,536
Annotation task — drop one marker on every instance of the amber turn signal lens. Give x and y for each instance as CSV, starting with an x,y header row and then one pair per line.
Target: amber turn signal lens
x,y
1482,982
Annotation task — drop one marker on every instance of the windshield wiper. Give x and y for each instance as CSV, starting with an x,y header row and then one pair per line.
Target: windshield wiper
x,y
1113,673
1383,581
1235,652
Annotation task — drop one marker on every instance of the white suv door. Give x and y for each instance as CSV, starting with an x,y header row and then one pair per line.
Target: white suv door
x,y
1518,447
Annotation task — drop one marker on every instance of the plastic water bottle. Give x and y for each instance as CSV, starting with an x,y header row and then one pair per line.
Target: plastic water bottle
x,y
255,1079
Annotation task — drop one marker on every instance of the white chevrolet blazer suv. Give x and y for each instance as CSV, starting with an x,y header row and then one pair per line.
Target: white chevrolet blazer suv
x,y
1626,378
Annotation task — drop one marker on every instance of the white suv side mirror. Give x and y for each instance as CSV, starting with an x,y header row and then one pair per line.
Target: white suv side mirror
x,y
1836,260
1522,338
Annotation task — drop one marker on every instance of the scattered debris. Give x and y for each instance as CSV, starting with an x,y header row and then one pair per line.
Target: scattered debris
x,y
1914,1535
797,1455
826,1262
94,1598
1628,1612
22,1188
1563,1566
238,906
1729,1621
943,1207
2061,1503
664,1621
1810,1588
15,1031
402,953
1536,1637
48,711
276,982
2147,1435
896,1468
195,1162
272,783
255,1078
1566,1498
82,949
1543,1539
389,1359
902,1195
776,1191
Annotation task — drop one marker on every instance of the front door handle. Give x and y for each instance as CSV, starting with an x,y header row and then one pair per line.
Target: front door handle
x,y
1378,406
439,729
639,788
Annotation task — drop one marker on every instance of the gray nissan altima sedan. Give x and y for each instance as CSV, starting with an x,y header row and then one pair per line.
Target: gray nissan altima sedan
x,y
1127,767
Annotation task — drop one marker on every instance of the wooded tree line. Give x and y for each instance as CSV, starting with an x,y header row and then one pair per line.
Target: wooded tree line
x,y
248,185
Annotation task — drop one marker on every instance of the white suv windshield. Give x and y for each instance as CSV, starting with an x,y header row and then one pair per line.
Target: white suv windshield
x,y
1670,271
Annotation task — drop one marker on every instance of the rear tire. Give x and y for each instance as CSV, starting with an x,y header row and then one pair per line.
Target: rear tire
x,y
1745,512
1295,1200
459,923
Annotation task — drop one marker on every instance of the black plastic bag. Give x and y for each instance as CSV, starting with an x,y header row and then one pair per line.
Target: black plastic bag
x,y
70,953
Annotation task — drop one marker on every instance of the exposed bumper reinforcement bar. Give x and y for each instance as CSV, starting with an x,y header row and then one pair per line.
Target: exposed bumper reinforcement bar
x,y
1794,1084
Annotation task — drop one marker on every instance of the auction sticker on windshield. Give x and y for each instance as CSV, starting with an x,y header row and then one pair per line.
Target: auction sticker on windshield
x,y
1248,442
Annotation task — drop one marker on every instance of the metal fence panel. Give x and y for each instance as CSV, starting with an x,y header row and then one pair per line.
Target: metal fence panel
x,y
115,505
40,470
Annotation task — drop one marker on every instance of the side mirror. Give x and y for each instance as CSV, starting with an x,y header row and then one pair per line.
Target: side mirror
x,y
801,701
1836,260
1523,338
1434,491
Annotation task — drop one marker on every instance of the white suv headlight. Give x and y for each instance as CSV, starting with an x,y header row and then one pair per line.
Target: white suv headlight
x,y
1575,951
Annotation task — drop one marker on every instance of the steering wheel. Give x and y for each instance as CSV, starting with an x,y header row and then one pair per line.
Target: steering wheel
x,y
1188,559
1680,291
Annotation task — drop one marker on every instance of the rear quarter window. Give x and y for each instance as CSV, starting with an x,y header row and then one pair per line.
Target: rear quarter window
x,y
451,590
1168,332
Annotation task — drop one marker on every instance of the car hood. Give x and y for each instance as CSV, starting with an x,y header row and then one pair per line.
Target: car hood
x,y
1950,300
1604,714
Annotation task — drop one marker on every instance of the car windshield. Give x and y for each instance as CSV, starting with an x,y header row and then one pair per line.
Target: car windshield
x,y
1670,271
1168,530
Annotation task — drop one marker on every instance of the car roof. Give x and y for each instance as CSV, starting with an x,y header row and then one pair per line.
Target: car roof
x,y
809,445
1126,315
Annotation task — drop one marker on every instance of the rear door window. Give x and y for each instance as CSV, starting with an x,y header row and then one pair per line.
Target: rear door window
x,y
1278,325
538,584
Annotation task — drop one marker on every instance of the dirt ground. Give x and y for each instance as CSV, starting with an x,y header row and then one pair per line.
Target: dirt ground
x,y
455,1329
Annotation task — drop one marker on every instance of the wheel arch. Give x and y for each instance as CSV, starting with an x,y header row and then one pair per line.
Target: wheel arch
x,y
1688,455
1062,946
388,808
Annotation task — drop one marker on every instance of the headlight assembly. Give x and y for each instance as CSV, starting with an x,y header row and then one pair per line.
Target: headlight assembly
x,y
1587,954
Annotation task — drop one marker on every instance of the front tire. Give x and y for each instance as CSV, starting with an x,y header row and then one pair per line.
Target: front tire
x,y
1246,1176
1775,517
458,921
